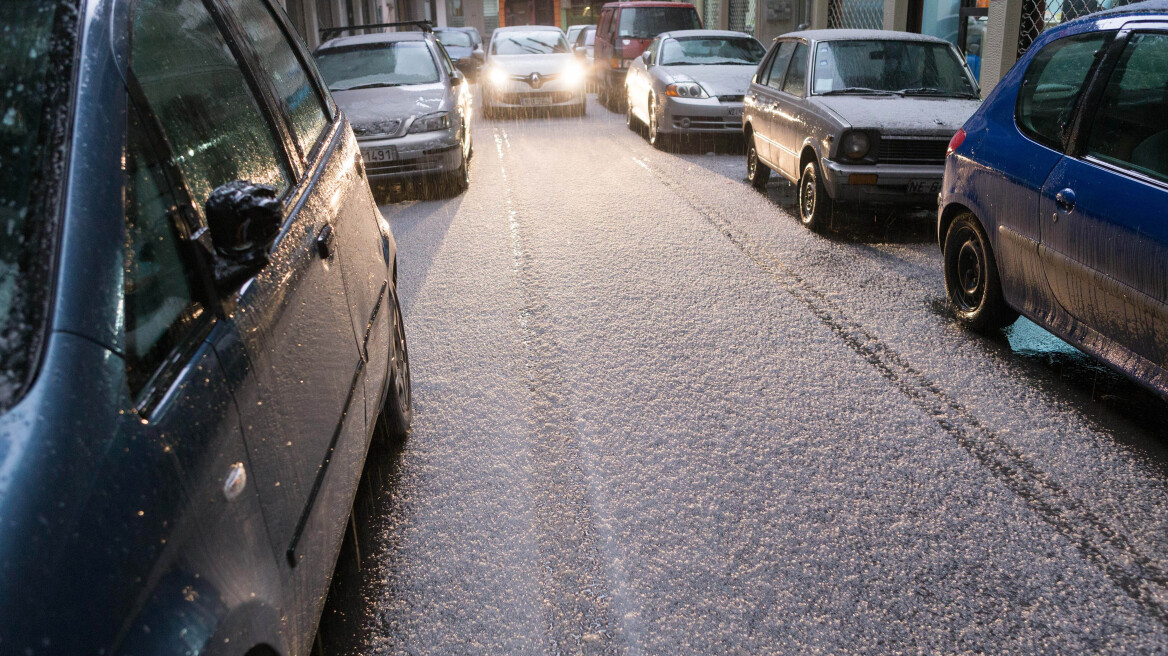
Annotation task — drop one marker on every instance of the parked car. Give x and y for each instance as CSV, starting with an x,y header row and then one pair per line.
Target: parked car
x,y
691,82
584,48
531,67
460,45
201,330
1054,193
573,31
856,116
410,108
624,32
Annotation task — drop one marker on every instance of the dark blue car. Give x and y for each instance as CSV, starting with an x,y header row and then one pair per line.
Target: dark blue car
x,y
199,329
1055,199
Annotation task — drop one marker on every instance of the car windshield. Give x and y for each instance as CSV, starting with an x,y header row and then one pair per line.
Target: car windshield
x,y
32,94
699,50
881,66
454,39
378,65
535,42
648,22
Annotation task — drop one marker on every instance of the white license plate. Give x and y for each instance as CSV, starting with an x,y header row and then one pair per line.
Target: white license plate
x,y
384,154
535,101
924,186
734,111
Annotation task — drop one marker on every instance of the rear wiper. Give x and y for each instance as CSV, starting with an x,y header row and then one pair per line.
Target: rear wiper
x,y
933,91
859,90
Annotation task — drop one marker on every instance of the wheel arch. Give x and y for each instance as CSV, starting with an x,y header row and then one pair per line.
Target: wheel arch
x,y
948,215
806,156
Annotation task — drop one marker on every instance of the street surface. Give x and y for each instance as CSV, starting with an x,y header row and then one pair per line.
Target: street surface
x,y
655,415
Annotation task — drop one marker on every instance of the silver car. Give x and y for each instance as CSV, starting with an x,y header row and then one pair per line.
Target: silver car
x,y
690,82
531,67
409,107
856,116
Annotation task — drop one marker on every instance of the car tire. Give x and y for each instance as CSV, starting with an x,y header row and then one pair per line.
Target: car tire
x,y
971,277
815,205
757,173
398,410
655,137
459,181
631,122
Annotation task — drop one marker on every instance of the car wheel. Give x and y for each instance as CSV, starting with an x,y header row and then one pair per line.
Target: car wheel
x,y
814,203
971,277
655,137
459,181
398,411
757,173
630,120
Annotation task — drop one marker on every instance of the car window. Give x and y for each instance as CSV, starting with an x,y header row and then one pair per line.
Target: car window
x,y
160,310
444,60
652,50
796,81
774,76
909,67
696,51
1052,84
454,39
213,124
648,22
534,42
306,107
1130,128
387,64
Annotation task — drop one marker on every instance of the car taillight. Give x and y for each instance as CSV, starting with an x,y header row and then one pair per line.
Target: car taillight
x,y
955,142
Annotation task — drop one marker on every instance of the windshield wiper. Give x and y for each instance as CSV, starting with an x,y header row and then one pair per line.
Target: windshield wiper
x,y
371,85
933,91
857,90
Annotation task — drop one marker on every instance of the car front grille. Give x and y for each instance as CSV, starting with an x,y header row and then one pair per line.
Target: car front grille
x,y
912,150
729,98
708,122
556,97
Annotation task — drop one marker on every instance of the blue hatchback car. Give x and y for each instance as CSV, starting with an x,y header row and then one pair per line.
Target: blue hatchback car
x,y
199,329
1055,198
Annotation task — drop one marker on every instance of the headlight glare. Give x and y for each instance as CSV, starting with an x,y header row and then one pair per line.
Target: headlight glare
x,y
431,123
855,145
574,74
497,76
686,90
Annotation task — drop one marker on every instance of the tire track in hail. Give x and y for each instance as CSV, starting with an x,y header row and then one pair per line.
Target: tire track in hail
x,y
1142,579
577,596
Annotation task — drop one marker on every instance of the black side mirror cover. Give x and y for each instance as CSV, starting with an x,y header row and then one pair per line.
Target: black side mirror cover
x,y
243,219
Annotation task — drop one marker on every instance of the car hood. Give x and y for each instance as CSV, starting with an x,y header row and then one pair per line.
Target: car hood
x,y
718,80
528,64
367,108
901,113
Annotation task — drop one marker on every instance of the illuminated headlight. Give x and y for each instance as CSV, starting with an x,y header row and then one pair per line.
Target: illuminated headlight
x,y
855,145
574,74
497,76
431,123
686,90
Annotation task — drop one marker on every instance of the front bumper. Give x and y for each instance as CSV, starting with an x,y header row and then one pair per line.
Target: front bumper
x,y
883,184
417,155
515,94
705,116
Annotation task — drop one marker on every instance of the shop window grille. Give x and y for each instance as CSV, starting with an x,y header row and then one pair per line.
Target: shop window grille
x,y
738,15
856,14
1041,15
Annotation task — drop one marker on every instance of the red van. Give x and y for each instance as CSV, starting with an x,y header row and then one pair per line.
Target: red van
x,y
624,32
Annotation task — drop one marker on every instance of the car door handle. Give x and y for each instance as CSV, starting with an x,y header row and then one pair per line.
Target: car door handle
x,y
324,241
1065,200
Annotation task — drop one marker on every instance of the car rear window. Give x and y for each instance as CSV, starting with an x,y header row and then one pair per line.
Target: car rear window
x,y
648,22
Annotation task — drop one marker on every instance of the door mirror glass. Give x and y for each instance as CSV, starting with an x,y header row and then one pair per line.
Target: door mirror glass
x,y
646,56
244,219
457,77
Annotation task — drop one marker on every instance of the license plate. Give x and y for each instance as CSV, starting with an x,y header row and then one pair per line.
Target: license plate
x,y
924,186
384,154
533,101
735,112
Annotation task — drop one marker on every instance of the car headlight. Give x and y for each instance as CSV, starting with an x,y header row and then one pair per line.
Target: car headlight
x,y
686,90
431,123
497,76
855,145
574,74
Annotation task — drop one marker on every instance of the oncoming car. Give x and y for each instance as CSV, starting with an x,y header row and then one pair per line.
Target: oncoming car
x,y
691,82
531,67
409,107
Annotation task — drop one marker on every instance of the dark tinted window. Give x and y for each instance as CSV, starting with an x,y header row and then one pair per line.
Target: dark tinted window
x,y
774,76
160,310
648,22
195,87
796,80
306,107
1052,85
1130,129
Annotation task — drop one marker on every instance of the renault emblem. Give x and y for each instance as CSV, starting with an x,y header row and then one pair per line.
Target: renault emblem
x,y
535,81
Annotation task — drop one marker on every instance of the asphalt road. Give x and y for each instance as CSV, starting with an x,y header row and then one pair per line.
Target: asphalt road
x,y
655,415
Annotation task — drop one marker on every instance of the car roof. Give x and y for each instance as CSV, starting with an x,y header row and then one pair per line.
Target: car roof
x,y
645,3
860,35
679,34
368,39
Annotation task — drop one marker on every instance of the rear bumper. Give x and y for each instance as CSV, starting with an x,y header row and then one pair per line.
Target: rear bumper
x,y
894,184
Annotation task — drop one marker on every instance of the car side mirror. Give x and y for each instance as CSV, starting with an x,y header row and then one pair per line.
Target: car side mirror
x,y
243,219
479,54
457,77
646,56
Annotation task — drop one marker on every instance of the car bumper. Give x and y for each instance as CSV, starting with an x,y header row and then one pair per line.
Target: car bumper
x,y
700,116
520,95
883,184
417,155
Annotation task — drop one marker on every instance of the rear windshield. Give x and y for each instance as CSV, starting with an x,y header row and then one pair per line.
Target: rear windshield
x,y
698,51
898,66
33,73
535,42
380,65
454,39
648,22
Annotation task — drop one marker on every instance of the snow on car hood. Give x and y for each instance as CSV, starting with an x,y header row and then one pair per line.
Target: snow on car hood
x,y
718,80
366,107
528,64
908,113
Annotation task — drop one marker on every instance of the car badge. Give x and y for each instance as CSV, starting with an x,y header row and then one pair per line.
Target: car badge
x,y
535,81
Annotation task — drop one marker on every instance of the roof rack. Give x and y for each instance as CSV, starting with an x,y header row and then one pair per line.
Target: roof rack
x,y
327,33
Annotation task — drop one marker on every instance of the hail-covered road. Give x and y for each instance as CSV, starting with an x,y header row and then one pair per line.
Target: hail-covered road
x,y
655,415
